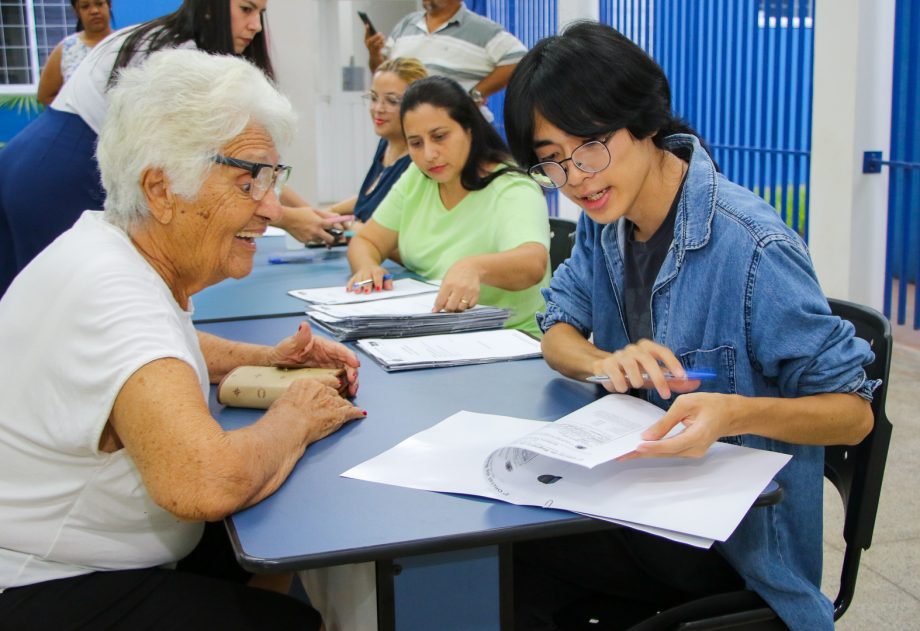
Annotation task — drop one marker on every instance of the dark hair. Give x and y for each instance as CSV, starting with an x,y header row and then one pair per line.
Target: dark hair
x,y
206,22
486,146
588,81
79,26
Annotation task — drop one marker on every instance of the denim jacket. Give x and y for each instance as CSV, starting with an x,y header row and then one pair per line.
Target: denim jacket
x,y
736,293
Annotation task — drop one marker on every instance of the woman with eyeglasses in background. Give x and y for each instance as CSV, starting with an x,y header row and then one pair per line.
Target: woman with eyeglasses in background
x,y
391,159
676,268
462,212
94,23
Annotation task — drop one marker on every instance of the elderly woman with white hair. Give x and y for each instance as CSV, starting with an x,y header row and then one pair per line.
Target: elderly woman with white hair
x,y
110,458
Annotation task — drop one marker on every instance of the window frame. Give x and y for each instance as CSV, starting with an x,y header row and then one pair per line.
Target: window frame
x,y
32,38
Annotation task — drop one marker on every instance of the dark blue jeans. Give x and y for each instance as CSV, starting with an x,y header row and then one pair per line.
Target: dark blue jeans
x,y
48,177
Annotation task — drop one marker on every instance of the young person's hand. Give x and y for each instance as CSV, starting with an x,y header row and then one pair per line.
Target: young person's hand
x,y
644,365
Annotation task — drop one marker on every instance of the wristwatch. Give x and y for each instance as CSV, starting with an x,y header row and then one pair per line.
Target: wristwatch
x,y
477,97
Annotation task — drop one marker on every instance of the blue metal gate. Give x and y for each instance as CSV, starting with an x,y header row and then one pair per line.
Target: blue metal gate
x,y
741,74
903,260
529,21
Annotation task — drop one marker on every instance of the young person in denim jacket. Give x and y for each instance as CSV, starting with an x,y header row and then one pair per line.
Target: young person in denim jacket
x,y
676,268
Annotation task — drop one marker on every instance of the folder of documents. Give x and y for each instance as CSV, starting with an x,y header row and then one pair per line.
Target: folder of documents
x,y
450,349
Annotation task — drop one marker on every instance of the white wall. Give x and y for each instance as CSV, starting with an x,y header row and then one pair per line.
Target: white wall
x,y
311,42
854,41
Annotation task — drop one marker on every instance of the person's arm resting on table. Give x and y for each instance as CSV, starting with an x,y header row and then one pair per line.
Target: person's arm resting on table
x,y
513,270
366,251
196,470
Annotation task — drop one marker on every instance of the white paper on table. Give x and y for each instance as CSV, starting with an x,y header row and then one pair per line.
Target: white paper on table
x,y
705,498
339,296
452,347
404,306
601,431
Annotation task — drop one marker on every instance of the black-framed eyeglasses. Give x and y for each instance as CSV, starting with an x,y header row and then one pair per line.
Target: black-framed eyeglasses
x,y
590,157
264,176
388,101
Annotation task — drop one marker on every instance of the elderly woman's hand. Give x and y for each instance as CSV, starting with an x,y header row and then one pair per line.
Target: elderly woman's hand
x,y
305,349
319,405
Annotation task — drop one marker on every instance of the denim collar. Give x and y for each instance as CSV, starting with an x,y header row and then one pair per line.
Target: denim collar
x,y
693,224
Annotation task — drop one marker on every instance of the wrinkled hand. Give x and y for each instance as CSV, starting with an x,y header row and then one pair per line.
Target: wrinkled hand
x,y
459,288
373,272
319,406
706,416
642,365
303,349
308,224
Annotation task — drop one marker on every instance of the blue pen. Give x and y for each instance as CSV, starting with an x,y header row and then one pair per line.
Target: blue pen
x,y
362,283
692,375
292,258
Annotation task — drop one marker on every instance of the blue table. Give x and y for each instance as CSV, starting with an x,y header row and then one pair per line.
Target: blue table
x,y
318,518
263,293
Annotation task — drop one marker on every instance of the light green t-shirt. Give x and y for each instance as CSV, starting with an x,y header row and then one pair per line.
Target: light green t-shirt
x,y
509,212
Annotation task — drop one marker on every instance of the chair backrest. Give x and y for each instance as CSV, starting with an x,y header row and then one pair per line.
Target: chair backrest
x,y
857,471
562,238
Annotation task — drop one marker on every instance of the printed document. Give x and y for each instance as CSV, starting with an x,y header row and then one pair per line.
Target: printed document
x,y
451,349
339,296
695,501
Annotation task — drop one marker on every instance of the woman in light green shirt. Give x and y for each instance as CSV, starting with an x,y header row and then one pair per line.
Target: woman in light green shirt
x,y
461,212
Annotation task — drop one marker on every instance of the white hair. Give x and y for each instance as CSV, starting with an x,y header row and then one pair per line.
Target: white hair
x,y
175,112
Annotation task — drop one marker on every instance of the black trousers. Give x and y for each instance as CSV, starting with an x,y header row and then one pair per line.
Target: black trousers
x,y
619,576
207,590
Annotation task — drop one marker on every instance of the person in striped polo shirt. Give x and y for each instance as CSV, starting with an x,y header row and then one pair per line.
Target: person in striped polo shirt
x,y
454,42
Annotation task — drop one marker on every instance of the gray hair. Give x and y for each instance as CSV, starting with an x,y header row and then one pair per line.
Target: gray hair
x,y
175,112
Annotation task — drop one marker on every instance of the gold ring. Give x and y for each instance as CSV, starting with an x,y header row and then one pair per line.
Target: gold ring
x,y
465,301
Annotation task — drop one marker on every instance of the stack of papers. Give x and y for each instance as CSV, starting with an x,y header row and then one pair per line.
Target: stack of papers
x,y
400,312
452,349
401,317
571,464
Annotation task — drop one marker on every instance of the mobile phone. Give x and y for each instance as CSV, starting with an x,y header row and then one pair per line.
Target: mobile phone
x,y
367,22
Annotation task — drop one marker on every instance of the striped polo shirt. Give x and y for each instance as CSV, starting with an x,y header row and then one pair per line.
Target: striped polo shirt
x,y
467,47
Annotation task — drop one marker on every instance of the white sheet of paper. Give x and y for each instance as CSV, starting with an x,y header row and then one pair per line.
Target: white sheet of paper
x,y
452,347
338,295
705,498
403,306
601,431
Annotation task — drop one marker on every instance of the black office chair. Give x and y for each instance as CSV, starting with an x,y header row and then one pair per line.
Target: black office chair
x,y
562,238
856,472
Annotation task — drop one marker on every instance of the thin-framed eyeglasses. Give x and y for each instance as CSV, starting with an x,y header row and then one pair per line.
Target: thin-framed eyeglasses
x,y
264,176
387,101
591,157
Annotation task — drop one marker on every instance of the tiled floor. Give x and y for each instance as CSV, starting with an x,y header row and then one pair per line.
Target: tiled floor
x,y
888,588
